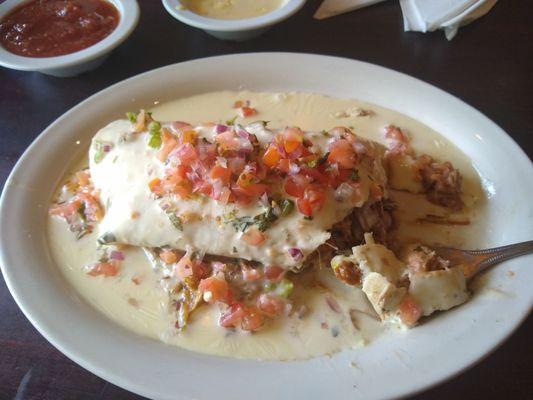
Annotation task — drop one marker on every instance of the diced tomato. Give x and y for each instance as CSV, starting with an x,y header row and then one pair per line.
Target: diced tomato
x,y
315,174
236,164
104,268
316,195
219,172
251,274
155,186
409,310
169,143
183,189
271,156
395,134
292,139
214,289
312,201
342,153
290,146
168,256
271,306
274,273
184,268
186,153
256,189
253,237
253,319
180,172
295,185
245,179
176,182
284,165
247,111
304,206
227,141
203,187
92,209
66,209
201,270
232,317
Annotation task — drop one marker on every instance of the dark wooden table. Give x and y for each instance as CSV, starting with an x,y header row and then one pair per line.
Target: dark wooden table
x,y
489,65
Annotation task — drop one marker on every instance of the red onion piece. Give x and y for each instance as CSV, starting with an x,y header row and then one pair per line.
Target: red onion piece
x,y
242,133
116,255
220,128
296,253
293,168
264,200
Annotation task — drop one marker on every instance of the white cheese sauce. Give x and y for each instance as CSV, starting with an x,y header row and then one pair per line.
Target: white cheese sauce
x,y
122,178
144,309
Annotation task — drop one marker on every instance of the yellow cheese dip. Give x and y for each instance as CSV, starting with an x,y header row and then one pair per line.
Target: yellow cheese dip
x,y
231,9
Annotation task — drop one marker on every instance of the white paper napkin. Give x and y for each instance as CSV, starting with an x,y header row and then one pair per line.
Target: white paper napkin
x,y
330,8
429,15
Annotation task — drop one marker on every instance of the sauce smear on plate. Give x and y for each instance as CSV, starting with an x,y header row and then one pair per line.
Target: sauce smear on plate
x,y
49,28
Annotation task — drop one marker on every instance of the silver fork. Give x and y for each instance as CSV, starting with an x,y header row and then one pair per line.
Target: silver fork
x,y
475,261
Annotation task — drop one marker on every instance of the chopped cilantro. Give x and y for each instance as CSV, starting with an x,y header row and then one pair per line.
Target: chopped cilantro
x,y
312,163
234,249
308,218
99,151
355,175
263,221
323,159
325,133
283,288
286,206
242,223
231,121
131,116
155,135
81,211
174,219
106,238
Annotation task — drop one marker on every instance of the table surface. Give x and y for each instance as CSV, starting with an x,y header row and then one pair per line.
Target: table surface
x,y
489,65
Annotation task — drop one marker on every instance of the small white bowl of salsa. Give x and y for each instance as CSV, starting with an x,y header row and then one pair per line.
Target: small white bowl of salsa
x,y
63,37
232,19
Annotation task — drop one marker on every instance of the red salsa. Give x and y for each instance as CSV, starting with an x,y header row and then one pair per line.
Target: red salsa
x,y
49,28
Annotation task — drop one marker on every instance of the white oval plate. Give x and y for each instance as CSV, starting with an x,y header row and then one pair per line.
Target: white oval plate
x,y
394,365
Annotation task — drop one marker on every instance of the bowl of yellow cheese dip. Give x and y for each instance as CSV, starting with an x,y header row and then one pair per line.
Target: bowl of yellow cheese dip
x,y
232,19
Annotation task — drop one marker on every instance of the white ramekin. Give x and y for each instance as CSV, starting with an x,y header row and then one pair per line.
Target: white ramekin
x,y
233,29
79,61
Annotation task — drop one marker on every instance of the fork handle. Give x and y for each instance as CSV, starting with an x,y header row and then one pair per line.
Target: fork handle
x,y
475,261
489,257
